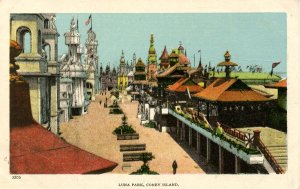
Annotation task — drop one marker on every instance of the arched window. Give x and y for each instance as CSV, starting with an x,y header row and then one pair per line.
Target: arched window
x,y
46,24
27,43
47,52
24,39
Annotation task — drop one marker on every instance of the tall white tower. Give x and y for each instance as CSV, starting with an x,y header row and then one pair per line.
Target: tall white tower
x,y
73,69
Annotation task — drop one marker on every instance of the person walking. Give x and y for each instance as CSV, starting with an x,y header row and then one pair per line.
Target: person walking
x,y
174,166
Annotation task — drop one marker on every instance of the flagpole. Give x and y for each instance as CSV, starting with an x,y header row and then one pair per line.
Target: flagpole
x,y
194,60
91,22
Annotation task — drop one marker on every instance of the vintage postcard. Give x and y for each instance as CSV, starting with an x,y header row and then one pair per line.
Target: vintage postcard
x,y
132,95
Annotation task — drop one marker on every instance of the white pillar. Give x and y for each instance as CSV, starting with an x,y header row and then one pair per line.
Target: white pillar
x,y
208,151
221,160
237,165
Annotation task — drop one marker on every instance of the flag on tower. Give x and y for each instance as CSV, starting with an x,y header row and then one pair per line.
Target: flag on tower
x,y
87,22
273,66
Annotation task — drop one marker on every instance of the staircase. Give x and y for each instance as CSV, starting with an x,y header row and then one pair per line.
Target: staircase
x,y
280,155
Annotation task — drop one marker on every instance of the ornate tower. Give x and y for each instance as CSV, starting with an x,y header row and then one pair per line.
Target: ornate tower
x,y
180,48
122,63
164,59
227,64
173,58
122,75
140,73
133,62
73,69
91,65
152,62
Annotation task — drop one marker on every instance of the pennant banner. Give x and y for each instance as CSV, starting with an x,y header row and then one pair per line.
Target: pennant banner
x,y
87,22
275,64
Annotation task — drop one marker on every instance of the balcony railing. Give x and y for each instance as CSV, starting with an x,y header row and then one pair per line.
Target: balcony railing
x,y
234,132
277,168
250,155
257,143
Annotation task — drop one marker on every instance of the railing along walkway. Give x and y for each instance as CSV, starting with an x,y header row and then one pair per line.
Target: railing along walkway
x,y
256,143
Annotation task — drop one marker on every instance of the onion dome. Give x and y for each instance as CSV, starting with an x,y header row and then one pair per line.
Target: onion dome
x,y
180,49
122,59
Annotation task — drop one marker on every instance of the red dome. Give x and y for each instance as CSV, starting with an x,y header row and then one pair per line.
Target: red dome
x,y
183,59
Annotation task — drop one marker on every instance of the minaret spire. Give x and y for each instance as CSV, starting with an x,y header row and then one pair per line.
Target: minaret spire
x,y
200,63
77,27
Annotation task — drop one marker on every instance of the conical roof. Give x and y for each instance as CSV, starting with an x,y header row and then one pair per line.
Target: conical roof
x,y
140,63
183,59
165,54
227,61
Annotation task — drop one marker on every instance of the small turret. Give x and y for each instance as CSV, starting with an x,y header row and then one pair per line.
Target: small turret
x,y
227,63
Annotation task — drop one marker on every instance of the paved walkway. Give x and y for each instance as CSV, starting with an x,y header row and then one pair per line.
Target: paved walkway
x,y
93,132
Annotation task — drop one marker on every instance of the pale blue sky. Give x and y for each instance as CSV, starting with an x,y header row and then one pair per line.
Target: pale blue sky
x,y
251,38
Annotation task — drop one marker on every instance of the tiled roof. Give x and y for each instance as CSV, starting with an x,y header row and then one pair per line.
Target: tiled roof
x,y
237,96
280,84
221,90
35,150
227,63
168,71
140,63
181,86
177,83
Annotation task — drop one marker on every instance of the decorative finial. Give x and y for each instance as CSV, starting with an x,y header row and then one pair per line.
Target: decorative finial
x,y
227,56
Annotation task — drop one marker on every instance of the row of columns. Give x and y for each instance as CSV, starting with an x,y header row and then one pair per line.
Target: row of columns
x,y
180,131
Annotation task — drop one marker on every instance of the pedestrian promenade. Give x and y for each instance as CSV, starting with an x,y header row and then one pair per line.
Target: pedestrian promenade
x,y
93,132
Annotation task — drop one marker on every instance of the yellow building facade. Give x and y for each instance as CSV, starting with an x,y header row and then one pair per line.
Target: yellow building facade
x,y
123,74
38,67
